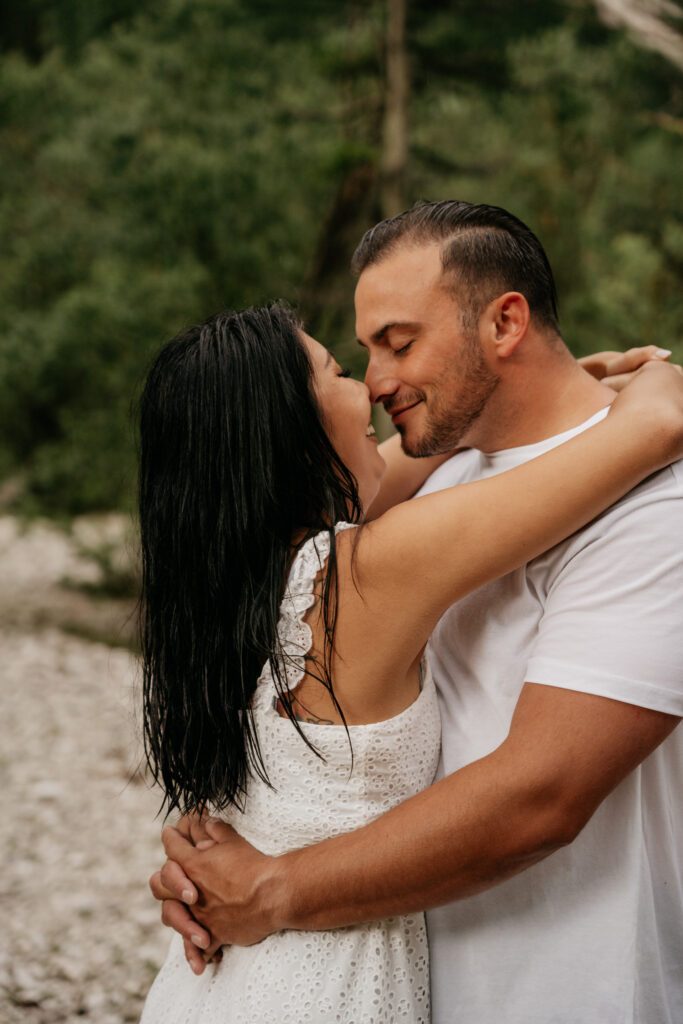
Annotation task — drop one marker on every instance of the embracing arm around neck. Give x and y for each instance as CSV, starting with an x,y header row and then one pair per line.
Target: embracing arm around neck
x,y
442,546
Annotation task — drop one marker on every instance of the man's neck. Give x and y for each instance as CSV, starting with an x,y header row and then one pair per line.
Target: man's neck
x,y
533,403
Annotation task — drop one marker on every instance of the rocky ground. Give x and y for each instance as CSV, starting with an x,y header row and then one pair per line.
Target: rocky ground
x,y
80,935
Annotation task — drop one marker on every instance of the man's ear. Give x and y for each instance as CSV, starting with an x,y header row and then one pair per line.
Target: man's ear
x,y
506,322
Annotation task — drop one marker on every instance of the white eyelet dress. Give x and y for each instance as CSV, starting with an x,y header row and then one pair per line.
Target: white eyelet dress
x,y
366,974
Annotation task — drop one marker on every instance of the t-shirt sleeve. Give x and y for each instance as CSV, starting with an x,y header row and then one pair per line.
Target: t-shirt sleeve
x,y
612,624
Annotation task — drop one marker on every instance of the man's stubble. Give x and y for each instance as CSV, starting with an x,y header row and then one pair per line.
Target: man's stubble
x,y
458,399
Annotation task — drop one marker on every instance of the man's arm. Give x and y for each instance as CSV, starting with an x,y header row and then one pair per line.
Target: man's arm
x,y
492,819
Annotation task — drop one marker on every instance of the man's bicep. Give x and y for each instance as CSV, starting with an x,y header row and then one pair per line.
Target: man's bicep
x,y
580,746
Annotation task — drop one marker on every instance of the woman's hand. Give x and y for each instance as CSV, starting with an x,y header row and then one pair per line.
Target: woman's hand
x,y
653,400
616,369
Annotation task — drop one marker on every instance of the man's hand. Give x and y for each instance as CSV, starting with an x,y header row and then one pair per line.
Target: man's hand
x,y
174,912
616,368
224,880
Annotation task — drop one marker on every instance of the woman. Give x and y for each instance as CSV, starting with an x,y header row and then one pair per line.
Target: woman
x,y
257,457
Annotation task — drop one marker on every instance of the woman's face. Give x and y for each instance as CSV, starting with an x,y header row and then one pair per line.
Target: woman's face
x,y
345,405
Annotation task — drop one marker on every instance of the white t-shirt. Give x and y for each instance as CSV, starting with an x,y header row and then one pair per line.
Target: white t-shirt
x,y
594,933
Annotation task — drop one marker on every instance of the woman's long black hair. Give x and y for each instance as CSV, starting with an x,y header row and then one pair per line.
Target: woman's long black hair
x,y
235,463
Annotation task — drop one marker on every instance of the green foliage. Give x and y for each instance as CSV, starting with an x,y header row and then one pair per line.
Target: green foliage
x,y
583,143
163,160
155,196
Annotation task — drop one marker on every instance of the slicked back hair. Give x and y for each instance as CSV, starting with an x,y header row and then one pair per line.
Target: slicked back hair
x,y
485,251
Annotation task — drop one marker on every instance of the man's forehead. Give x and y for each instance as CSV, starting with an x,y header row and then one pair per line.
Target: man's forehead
x,y
422,264
397,290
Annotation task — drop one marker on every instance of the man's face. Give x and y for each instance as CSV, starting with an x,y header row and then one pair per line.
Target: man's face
x,y
427,369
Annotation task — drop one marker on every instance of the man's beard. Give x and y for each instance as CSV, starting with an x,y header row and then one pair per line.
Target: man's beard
x,y
459,401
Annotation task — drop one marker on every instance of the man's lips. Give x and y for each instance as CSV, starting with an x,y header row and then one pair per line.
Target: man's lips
x,y
397,413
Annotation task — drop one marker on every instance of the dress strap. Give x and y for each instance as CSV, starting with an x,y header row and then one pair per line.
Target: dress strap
x,y
295,634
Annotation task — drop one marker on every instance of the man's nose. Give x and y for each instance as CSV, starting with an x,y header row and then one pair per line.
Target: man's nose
x,y
381,384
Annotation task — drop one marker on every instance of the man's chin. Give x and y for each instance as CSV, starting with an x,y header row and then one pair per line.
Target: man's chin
x,y
423,446
416,447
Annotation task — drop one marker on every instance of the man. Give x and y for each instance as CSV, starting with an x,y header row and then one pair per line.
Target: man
x,y
560,685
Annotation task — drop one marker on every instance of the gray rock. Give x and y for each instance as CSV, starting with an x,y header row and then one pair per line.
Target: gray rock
x,y
81,936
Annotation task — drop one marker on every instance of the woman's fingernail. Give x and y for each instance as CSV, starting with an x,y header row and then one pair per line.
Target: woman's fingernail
x,y
663,353
188,896
199,941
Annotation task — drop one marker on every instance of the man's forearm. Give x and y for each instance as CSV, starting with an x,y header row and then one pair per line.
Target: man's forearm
x,y
485,823
479,826
464,834
459,837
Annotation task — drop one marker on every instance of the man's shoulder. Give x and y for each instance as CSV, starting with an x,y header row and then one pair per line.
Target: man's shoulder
x,y
469,465
672,478
643,524
663,489
461,468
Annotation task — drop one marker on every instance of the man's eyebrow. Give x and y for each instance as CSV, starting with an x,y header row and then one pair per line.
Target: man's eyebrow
x,y
397,325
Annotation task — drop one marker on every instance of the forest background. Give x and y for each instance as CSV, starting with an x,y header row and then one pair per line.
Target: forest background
x,y
162,160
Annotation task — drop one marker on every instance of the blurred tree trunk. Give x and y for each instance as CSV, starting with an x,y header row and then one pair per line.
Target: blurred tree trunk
x,y
367,192
326,298
649,22
395,124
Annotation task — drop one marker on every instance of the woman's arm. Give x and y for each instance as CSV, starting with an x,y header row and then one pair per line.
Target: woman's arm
x,y
404,476
616,368
442,546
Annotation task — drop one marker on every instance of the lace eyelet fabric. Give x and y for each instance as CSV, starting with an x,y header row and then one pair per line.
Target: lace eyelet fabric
x,y
375,973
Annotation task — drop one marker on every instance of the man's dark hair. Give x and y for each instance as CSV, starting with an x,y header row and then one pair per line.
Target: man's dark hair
x,y
485,251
